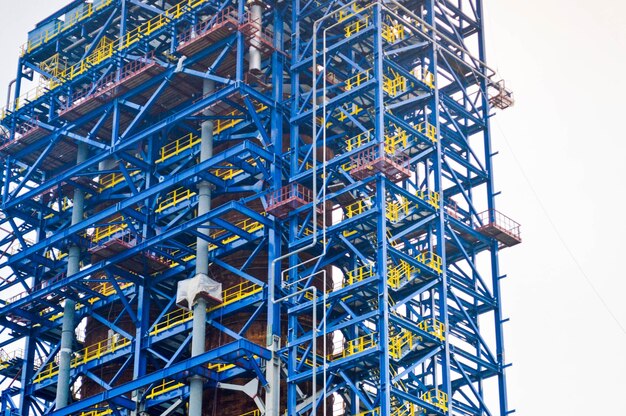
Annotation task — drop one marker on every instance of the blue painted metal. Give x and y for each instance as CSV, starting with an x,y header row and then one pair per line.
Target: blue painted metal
x,y
396,165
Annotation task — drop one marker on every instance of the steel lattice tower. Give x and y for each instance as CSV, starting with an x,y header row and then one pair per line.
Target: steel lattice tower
x,y
316,174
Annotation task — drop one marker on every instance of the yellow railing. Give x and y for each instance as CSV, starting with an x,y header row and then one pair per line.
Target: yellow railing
x,y
433,327
428,130
359,344
248,225
105,231
229,295
357,79
256,412
224,124
176,147
437,398
404,341
164,387
174,198
394,86
97,412
130,38
393,33
111,179
359,274
397,274
172,319
359,140
395,208
85,355
408,409
358,207
430,259
431,197
61,26
352,109
355,27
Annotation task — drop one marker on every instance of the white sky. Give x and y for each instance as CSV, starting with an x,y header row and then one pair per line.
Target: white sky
x,y
566,62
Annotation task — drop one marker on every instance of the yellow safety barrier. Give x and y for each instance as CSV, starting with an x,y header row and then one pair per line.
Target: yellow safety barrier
x,y
404,341
341,115
431,197
256,412
358,207
229,295
111,179
400,273
394,86
408,409
85,355
176,147
433,327
359,344
393,33
61,26
224,124
96,412
174,198
106,51
357,79
164,387
428,130
359,140
357,26
431,260
358,274
395,208
437,398
393,141
105,231
248,225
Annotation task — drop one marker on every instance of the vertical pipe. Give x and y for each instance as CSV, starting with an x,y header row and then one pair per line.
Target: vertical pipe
x,y
73,266
202,258
256,14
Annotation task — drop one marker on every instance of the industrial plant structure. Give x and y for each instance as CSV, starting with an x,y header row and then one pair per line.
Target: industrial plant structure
x,y
252,207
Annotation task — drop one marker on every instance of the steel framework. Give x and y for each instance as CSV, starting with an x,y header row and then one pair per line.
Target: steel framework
x,y
329,162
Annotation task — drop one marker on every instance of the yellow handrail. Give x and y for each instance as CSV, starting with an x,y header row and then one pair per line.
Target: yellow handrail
x,y
433,327
164,387
359,344
357,79
437,398
85,355
174,198
359,274
61,26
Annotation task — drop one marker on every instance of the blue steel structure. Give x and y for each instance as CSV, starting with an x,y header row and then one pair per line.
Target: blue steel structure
x,y
353,168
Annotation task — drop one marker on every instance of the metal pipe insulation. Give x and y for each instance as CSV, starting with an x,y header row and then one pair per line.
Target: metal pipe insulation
x,y
256,13
196,383
69,308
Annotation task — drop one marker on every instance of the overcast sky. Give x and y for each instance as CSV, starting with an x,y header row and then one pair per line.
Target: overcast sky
x,y
566,62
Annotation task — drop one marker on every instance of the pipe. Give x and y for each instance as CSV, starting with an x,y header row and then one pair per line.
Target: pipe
x,y
196,383
69,308
256,14
9,93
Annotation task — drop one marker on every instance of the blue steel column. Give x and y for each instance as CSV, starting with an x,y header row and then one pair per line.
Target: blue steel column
x,y
491,203
440,223
273,395
384,393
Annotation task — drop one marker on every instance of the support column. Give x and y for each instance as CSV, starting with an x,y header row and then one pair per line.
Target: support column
x,y
196,383
73,266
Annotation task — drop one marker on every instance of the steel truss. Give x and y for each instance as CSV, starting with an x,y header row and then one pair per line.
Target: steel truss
x,y
352,223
